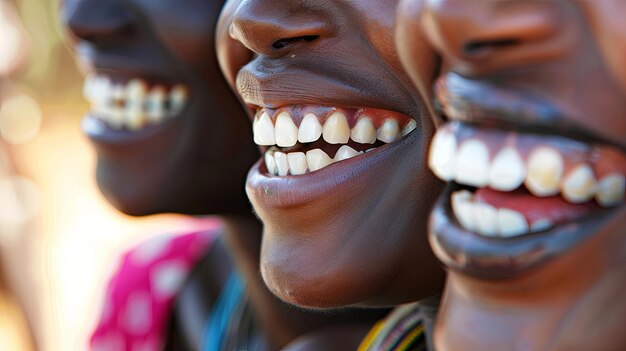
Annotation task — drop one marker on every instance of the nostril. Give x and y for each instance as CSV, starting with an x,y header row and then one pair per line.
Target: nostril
x,y
480,46
282,43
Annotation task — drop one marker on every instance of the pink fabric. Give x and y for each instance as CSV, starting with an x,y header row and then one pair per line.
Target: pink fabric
x,y
140,295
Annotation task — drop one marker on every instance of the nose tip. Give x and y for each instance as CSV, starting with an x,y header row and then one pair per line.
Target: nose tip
x,y
471,32
276,29
95,20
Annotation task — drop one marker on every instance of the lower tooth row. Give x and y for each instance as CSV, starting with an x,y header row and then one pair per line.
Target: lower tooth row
x,y
489,221
297,163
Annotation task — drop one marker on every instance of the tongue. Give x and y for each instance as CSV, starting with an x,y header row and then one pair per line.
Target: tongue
x,y
555,208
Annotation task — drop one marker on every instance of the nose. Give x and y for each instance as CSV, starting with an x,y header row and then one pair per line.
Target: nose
x,y
97,20
478,36
276,28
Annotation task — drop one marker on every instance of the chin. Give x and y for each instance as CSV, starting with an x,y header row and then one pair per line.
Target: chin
x,y
350,234
128,193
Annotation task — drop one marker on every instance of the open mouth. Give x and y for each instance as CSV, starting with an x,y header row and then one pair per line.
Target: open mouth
x,y
513,184
526,183
304,139
125,103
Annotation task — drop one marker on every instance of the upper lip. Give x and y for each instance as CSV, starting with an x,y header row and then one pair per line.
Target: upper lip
x,y
502,107
119,62
263,83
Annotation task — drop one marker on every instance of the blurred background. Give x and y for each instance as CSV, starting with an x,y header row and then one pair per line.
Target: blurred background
x,y
59,238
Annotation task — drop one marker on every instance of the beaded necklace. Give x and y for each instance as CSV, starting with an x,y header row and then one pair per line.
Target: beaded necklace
x,y
402,330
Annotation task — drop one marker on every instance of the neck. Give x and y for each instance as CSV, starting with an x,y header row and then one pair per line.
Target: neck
x,y
244,242
572,302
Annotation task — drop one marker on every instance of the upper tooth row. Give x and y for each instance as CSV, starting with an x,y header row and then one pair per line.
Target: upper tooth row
x,y
489,221
296,163
543,172
133,105
336,130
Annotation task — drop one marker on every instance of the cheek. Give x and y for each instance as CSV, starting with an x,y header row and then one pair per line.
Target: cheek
x,y
416,54
192,44
186,29
615,52
606,22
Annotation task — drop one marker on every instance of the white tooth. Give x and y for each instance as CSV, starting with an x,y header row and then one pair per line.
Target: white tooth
x,y
255,121
540,225
135,118
155,110
114,112
286,131
507,171
545,169
282,164
463,208
317,159
579,185
409,127
88,87
136,91
178,98
486,219
135,94
297,162
264,131
270,163
472,164
389,131
117,94
336,129
372,149
310,129
511,223
345,152
115,117
442,156
363,131
611,190
103,91
100,110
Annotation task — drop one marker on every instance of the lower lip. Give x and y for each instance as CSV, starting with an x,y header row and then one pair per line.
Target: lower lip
x,y
497,258
99,132
333,180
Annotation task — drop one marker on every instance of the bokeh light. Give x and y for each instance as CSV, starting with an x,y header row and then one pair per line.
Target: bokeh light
x,y
20,119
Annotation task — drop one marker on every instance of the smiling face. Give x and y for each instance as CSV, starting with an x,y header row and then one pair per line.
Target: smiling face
x,y
170,135
532,223
343,190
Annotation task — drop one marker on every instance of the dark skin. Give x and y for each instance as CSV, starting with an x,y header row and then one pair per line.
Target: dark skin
x,y
352,233
567,294
195,164
282,325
